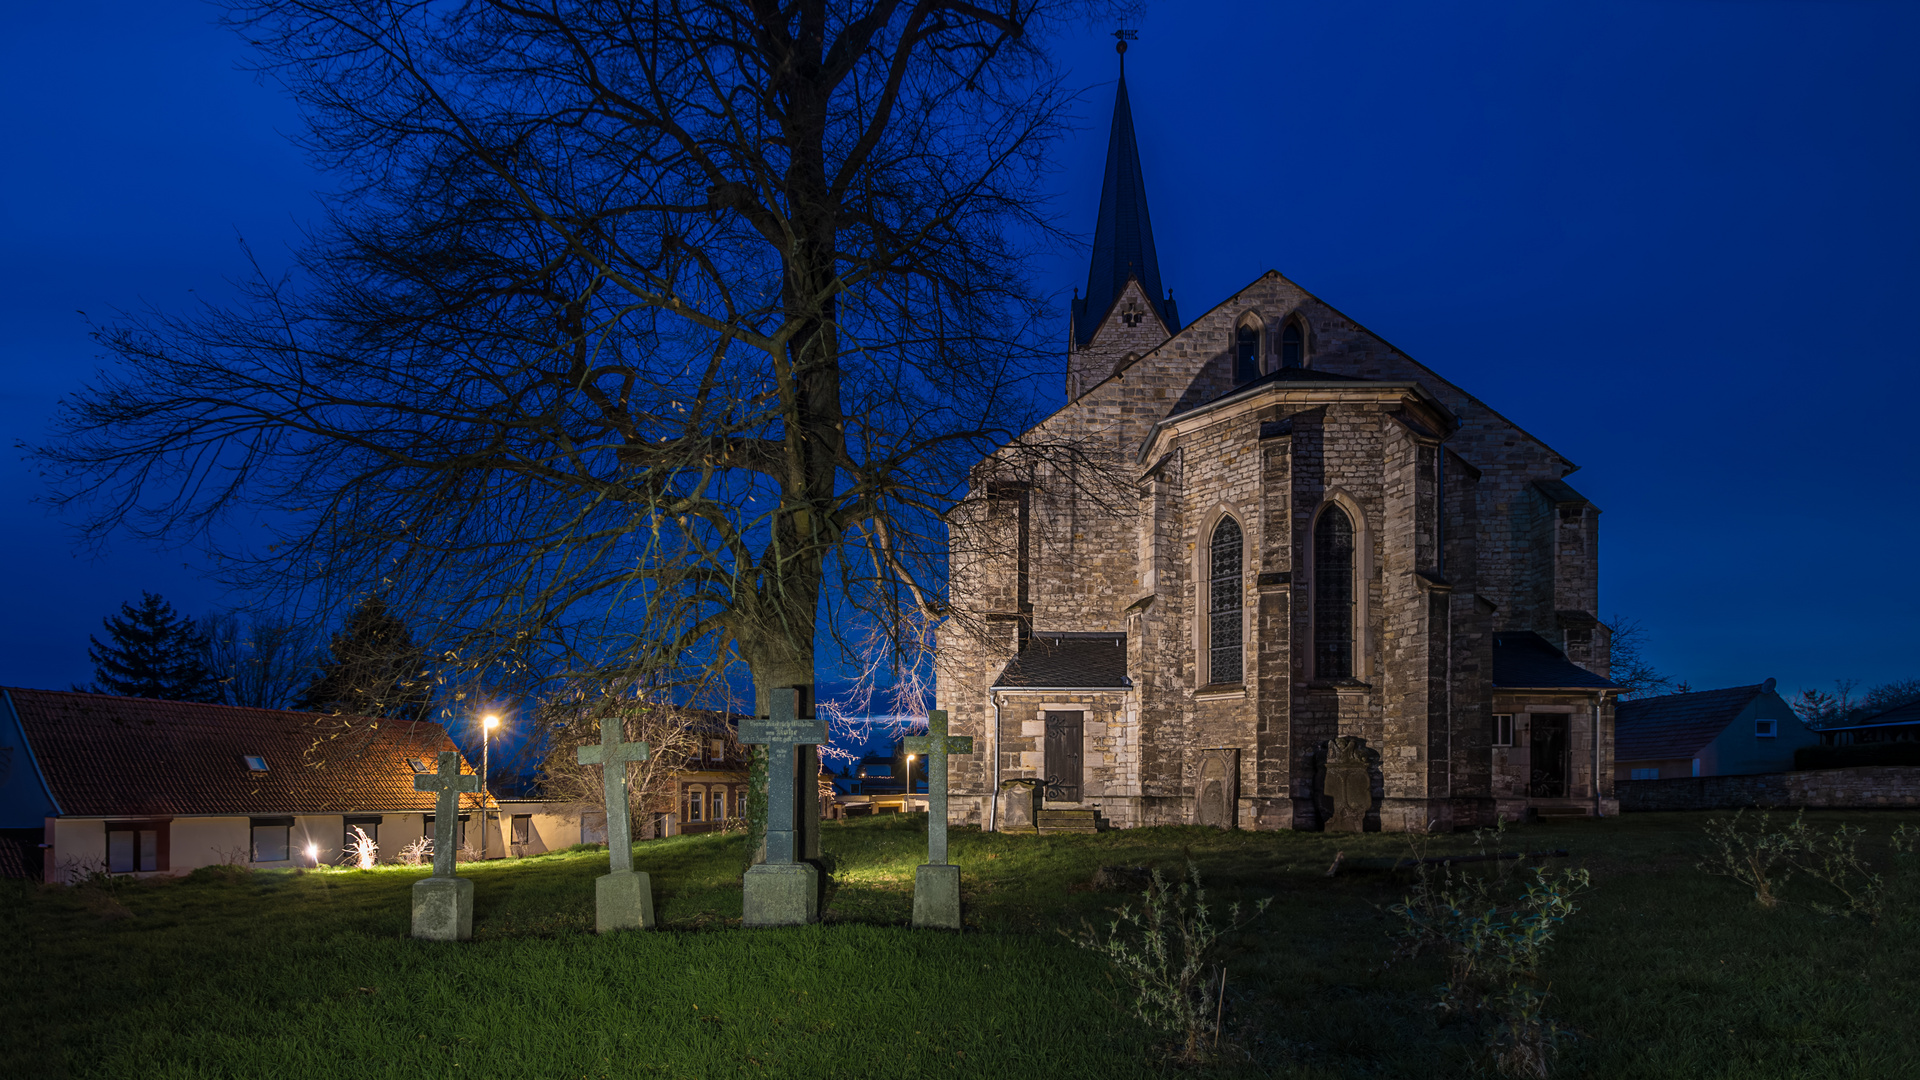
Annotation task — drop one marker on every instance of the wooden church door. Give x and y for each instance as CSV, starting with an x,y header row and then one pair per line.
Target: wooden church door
x,y
1064,731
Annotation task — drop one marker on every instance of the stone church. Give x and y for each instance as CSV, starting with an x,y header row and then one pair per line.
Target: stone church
x,y
1258,549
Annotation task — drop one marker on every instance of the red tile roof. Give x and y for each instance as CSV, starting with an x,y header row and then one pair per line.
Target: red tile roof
x,y
118,756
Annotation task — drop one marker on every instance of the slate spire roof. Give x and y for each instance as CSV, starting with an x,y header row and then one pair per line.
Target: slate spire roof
x,y
1123,234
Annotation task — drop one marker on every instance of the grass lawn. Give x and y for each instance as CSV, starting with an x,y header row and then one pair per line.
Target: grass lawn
x,y
1665,971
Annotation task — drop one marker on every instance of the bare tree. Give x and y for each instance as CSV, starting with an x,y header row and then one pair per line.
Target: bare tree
x,y
573,718
1632,670
261,661
639,330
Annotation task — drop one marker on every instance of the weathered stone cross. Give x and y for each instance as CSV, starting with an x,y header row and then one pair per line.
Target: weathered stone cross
x,y
936,744
613,755
449,782
443,904
782,891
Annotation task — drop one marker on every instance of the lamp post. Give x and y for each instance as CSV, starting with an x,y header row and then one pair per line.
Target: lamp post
x,y
906,800
487,724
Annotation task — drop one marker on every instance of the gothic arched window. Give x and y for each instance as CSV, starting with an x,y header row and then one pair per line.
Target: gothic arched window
x,y
1333,595
1246,352
1223,603
1293,349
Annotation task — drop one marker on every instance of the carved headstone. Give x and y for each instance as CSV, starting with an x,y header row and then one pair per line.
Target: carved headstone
x,y
1348,786
443,903
622,898
1019,804
1218,791
936,884
783,890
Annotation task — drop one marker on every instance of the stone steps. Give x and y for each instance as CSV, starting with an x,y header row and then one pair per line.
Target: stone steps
x,y
1067,821
1562,811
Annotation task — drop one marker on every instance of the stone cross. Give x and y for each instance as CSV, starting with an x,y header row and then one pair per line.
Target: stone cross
x,y
780,733
612,756
449,782
936,744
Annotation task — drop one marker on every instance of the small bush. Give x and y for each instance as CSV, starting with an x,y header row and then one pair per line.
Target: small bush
x,y
220,873
1758,857
1164,951
416,853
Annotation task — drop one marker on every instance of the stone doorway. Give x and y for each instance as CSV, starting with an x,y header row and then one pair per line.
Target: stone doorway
x,y
1548,759
1065,734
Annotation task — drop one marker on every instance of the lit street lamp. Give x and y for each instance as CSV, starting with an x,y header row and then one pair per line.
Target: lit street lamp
x,y
906,801
487,724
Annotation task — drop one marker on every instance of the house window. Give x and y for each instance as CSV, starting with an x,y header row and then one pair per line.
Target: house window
x,y
254,762
416,765
272,839
522,828
1503,729
1646,774
696,802
1763,729
1223,603
1333,595
1293,352
459,830
131,848
717,751
1246,352
368,825
719,804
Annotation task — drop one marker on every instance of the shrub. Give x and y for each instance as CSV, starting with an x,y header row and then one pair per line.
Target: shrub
x,y
1164,952
1760,859
361,850
416,853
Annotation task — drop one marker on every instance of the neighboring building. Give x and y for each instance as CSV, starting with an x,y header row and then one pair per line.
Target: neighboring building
x,y
1738,731
1245,536
707,791
1900,724
139,786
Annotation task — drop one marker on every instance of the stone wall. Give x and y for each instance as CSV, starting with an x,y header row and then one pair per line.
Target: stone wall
x,y
1831,789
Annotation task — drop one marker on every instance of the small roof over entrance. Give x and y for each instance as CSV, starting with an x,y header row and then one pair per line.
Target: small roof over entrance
x,y
1068,662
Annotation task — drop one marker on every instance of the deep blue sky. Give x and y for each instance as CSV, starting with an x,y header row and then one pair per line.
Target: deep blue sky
x,y
1676,240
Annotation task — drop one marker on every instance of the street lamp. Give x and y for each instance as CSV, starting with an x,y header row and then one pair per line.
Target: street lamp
x,y
487,724
906,801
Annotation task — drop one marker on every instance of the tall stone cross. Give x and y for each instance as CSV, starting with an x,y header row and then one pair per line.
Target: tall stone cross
x,y
449,782
443,904
783,890
936,744
612,756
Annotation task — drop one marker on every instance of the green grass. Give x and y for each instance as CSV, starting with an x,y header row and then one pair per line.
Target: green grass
x,y
1666,972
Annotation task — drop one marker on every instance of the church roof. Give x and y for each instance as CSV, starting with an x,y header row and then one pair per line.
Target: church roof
x,y
1523,660
1306,376
137,757
1123,233
1677,725
1068,661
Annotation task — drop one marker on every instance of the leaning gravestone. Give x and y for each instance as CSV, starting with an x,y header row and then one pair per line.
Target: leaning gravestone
x,y
936,884
782,890
1020,804
1348,785
443,904
622,897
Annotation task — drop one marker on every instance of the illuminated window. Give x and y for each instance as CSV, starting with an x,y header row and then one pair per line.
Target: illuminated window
x,y
1333,595
1223,603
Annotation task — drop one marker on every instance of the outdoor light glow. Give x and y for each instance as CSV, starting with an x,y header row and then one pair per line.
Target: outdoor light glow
x,y
492,722
313,852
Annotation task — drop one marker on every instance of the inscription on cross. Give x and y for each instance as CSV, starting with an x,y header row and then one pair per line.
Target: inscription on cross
x,y
936,744
612,756
449,782
780,733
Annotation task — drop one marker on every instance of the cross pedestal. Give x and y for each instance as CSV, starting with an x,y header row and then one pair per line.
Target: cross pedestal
x,y
622,898
936,883
443,904
782,890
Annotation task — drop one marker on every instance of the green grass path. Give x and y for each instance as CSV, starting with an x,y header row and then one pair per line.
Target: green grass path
x,y
1666,971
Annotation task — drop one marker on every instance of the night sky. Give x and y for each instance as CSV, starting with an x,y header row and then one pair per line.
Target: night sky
x,y
1677,241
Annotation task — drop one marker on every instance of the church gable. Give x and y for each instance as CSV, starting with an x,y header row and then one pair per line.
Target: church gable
x,y
1129,329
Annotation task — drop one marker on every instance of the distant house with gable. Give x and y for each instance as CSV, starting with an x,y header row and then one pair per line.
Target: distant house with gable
x,y
148,787
1737,731
1900,724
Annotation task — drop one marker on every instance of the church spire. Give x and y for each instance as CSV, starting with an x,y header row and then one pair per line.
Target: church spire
x,y
1123,235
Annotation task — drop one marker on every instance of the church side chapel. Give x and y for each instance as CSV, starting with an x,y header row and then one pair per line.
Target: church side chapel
x,y
1266,571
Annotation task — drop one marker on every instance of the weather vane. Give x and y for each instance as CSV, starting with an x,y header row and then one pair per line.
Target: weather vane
x,y
1121,37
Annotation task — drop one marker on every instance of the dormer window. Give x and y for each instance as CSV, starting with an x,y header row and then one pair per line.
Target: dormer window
x,y
1293,346
1246,351
254,762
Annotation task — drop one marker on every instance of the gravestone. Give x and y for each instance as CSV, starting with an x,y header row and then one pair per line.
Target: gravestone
x,y
783,890
936,884
1218,788
1020,805
622,898
443,904
1348,786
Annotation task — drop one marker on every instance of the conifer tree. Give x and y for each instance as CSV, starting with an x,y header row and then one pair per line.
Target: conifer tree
x,y
152,652
374,669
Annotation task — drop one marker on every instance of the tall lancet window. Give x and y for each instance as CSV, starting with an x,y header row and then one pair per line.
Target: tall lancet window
x,y
1333,595
1293,349
1246,353
1223,603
